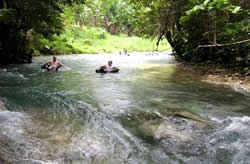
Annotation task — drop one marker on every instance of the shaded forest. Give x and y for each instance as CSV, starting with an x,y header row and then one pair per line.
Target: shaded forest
x,y
211,31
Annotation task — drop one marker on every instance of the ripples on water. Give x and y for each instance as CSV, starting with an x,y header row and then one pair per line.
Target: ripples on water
x,y
75,116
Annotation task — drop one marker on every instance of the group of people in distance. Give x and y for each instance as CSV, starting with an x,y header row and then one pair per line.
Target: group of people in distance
x,y
54,65
125,52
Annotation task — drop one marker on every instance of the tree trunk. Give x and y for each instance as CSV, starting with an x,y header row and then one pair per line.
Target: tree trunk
x,y
7,3
169,39
106,23
113,29
215,31
1,4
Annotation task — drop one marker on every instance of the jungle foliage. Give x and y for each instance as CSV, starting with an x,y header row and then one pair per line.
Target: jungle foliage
x,y
20,19
96,26
199,30
215,31
115,16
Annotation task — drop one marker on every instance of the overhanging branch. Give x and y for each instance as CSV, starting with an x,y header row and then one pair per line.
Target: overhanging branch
x,y
221,45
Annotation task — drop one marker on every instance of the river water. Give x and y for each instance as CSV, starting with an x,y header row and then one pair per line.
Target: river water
x,y
76,116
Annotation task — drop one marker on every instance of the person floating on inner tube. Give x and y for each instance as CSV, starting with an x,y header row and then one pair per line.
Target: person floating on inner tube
x,y
108,69
52,65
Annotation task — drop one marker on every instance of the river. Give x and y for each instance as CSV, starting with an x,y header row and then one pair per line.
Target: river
x,y
75,116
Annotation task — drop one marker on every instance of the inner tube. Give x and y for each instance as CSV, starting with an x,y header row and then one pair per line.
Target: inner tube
x,y
102,69
47,65
116,70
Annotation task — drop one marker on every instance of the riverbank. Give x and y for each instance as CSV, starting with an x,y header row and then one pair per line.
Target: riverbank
x,y
221,76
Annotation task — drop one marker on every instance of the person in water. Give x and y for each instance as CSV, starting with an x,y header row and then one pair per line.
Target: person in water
x,y
53,65
110,67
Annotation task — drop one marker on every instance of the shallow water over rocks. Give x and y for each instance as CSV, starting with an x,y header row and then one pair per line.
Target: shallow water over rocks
x,y
76,116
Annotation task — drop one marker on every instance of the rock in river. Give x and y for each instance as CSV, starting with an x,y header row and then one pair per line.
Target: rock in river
x,y
192,116
2,107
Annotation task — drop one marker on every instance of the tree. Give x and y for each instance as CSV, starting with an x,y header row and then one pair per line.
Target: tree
x,y
191,25
20,18
115,16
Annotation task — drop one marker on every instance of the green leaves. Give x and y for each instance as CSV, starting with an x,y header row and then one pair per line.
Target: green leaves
x,y
188,24
236,9
195,9
7,16
209,5
19,17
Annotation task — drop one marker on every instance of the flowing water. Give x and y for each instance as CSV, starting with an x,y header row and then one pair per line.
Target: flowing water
x,y
76,116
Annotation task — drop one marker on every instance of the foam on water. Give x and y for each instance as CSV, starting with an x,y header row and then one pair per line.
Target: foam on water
x,y
239,124
231,142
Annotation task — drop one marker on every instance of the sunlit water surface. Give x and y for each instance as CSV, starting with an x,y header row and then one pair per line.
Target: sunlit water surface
x,y
76,116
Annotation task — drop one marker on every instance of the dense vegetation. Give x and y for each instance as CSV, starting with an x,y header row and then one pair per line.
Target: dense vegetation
x,y
92,40
20,19
198,30
95,27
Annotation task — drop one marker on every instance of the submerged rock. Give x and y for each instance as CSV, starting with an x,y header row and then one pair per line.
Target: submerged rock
x,y
238,87
152,127
3,70
59,139
170,130
148,129
192,116
12,139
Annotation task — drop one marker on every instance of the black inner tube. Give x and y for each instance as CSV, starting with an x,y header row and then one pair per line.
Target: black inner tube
x,y
102,69
47,65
